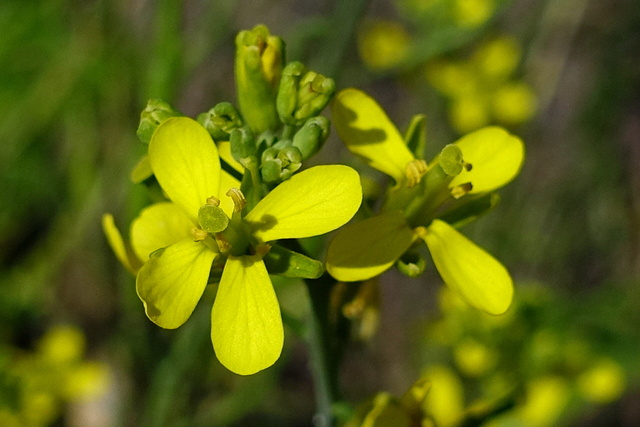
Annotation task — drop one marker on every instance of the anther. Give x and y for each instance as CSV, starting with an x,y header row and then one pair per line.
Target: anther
x,y
198,234
460,190
414,171
213,201
238,198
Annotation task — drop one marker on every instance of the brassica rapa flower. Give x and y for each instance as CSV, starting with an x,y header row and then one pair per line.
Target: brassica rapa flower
x,y
490,158
246,325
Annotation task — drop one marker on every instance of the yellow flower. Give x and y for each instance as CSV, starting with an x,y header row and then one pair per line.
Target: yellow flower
x,y
482,89
472,13
356,253
602,383
383,44
246,326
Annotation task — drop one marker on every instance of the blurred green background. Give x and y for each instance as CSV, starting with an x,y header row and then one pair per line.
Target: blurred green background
x,y
74,76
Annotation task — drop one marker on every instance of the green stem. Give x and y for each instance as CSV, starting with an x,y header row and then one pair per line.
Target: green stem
x,y
288,132
324,349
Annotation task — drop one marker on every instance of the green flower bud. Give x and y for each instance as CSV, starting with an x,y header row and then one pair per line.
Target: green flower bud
x,y
302,94
280,164
156,112
290,155
243,144
259,62
212,219
271,171
221,120
311,137
266,139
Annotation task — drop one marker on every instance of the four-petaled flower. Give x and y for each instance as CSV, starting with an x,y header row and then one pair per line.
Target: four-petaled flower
x,y
365,249
246,325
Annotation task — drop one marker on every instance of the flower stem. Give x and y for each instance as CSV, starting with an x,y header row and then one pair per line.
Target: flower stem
x,y
326,339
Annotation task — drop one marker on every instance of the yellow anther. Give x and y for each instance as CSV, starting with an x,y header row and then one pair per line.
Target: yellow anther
x,y
414,171
223,243
198,234
213,201
238,198
460,190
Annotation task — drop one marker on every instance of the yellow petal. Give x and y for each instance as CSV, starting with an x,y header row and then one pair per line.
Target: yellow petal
x,y
120,249
141,171
186,163
224,148
496,158
171,284
246,326
367,131
158,226
312,202
478,278
365,249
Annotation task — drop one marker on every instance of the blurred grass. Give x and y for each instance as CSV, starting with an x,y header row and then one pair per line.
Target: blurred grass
x,y
75,75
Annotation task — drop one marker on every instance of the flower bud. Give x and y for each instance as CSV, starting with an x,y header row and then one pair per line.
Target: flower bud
x,y
243,144
156,112
259,61
221,120
280,164
302,94
311,137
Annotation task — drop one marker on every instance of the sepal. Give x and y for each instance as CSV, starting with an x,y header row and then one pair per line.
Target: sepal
x,y
288,263
156,112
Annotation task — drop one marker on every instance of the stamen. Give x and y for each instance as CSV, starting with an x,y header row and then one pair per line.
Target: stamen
x,y
460,190
467,166
198,234
414,171
223,243
213,201
239,201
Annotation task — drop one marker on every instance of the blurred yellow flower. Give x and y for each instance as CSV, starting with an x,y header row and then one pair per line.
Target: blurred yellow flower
x,y
481,90
514,103
472,13
445,400
383,44
546,398
473,358
603,382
